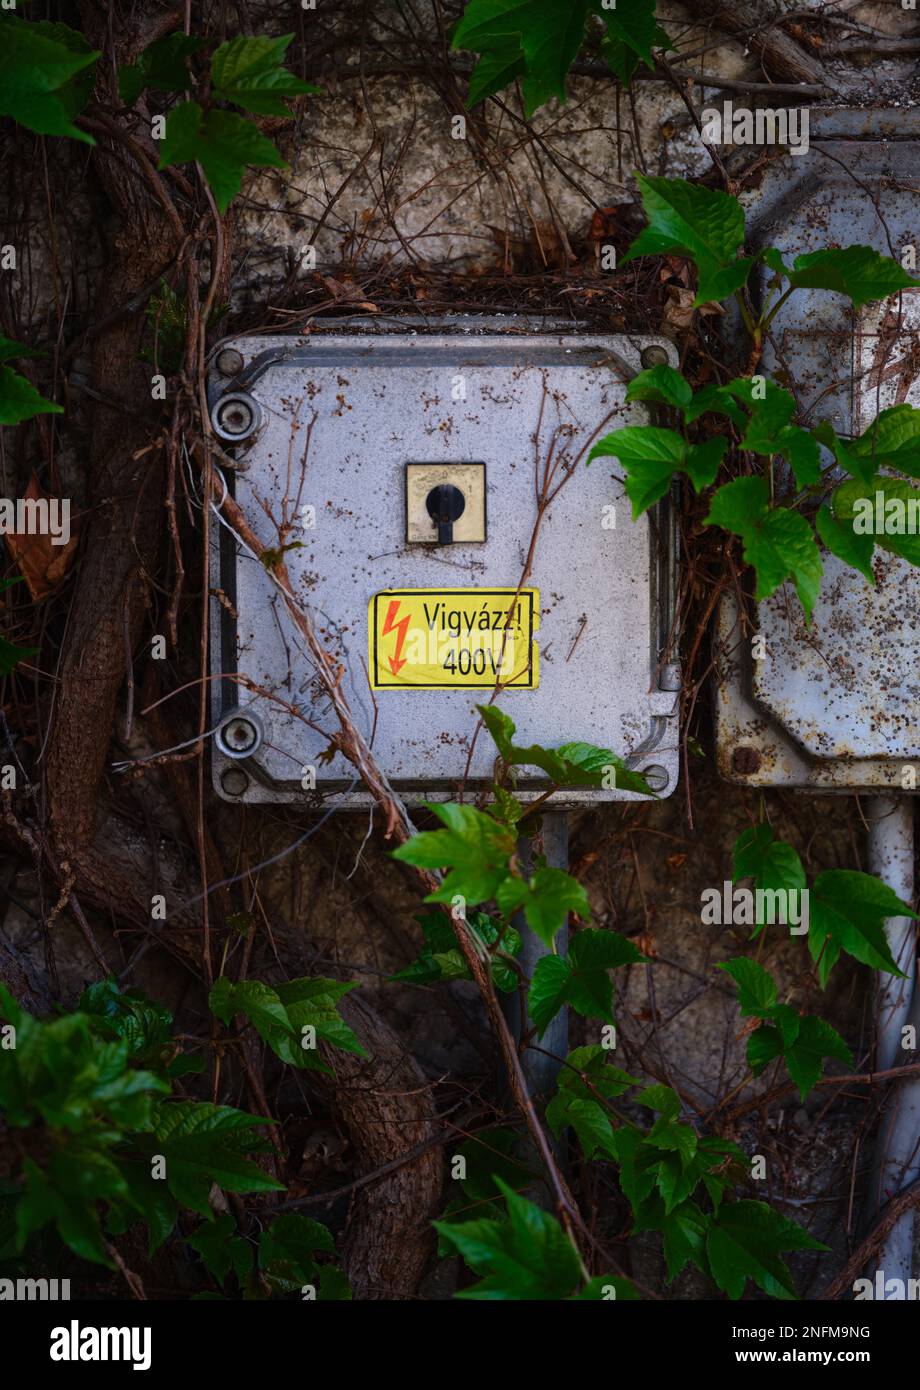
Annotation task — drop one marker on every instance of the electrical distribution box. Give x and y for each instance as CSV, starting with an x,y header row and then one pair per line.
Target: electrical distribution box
x,y
440,524
834,705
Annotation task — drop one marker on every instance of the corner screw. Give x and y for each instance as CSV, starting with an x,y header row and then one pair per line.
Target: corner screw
x,y
653,356
229,362
656,776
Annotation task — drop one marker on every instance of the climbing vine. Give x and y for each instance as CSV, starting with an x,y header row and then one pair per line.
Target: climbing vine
x,y
97,1096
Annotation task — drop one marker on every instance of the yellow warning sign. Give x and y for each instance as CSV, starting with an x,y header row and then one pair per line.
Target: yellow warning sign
x,y
426,639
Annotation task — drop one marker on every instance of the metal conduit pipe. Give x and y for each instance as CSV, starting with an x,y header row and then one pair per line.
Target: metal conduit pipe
x,y
541,1070
897,1158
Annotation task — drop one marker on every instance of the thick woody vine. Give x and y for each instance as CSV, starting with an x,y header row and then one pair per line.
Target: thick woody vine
x,y
161,110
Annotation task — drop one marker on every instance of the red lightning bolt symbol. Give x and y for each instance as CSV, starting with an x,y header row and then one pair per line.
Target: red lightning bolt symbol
x,y
400,628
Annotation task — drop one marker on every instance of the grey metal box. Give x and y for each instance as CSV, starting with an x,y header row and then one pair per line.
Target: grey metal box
x,y
340,415
834,706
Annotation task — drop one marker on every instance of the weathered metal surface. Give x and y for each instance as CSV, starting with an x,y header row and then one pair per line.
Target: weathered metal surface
x,y
341,416
835,705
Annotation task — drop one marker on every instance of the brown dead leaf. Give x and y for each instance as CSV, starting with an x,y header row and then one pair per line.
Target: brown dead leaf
x,y
676,270
678,309
604,223
544,247
550,246
676,861
347,292
645,943
42,564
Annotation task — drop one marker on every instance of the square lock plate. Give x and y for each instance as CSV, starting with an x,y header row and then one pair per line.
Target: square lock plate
x,y
349,432
468,478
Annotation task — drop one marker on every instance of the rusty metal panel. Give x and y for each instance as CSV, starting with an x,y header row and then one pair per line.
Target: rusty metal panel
x,y
835,705
330,421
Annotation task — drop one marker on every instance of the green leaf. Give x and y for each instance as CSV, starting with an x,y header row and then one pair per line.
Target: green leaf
x,y
891,441
474,847
803,1043
223,143
10,349
663,385
746,1241
770,431
637,1175
723,282
221,1249
281,1013
146,1028
585,1082
546,899
489,1155
722,1164
704,460
204,1144
496,70
844,451
858,272
588,1071
161,65
18,398
764,1046
887,513
505,807
441,959
66,1193
779,543
684,1230
682,1140
842,541
689,220
771,863
544,36
11,655
661,1098
580,978
650,456
528,1256
249,72
805,1057
847,911
756,986
62,1073
287,1255
623,60
634,26
588,1119
44,80
716,400
569,765
151,1198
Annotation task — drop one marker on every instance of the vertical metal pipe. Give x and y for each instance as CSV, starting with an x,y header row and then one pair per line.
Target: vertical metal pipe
x,y
897,1160
541,1070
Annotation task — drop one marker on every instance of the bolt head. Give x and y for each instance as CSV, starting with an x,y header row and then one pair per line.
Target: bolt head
x,y
229,362
234,417
656,776
654,356
240,735
746,760
234,781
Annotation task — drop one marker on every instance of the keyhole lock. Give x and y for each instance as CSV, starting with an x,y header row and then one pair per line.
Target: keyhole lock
x,y
445,504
